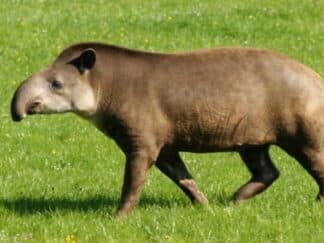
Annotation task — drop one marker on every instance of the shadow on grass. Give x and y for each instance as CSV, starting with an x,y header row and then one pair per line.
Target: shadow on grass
x,y
30,205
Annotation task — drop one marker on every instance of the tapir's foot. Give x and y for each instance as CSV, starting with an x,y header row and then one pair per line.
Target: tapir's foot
x,y
248,190
320,198
195,194
264,173
120,214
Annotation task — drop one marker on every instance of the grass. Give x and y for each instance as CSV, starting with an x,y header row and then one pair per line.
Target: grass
x,y
60,178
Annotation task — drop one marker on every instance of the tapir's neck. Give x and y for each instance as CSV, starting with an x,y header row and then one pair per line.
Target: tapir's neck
x,y
115,74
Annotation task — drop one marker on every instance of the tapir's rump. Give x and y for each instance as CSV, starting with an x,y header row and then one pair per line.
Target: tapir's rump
x,y
155,105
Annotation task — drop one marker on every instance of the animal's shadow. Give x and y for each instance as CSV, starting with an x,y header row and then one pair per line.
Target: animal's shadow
x,y
30,205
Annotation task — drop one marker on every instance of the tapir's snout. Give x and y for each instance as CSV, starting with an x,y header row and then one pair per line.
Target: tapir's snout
x,y
24,101
20,107
18,111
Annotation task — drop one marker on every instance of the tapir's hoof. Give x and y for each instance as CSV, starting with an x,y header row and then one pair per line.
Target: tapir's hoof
x,y
120,214
320,198
202,200
239,198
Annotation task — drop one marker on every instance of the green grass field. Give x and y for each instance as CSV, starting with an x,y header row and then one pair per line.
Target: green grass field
x,y
61,178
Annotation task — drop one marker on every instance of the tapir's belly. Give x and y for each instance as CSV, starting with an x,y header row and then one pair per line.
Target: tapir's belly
x,y
222,127
222,134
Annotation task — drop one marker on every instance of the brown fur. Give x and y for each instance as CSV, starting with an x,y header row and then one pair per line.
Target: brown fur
x,y
229,99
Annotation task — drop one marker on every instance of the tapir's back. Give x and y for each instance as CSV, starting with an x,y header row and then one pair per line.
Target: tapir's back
x,y
224,98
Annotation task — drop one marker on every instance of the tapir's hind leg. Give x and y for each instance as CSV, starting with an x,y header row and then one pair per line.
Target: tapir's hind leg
x,y
263,172
313,161
170,163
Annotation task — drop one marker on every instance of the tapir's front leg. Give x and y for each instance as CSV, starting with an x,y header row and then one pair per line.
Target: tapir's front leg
x,y
170,163
136,169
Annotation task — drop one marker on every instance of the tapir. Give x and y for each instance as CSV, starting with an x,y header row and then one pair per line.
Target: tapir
x,y
155,105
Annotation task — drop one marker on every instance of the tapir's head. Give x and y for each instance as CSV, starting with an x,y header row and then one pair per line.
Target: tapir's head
x,y
63,86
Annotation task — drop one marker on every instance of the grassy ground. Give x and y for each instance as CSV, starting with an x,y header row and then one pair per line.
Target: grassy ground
x,y
60,178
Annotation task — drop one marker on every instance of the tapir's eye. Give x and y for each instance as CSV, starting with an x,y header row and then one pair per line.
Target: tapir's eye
x,y
55,84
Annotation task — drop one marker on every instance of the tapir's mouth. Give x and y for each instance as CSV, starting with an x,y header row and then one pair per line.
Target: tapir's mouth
x,y
34,107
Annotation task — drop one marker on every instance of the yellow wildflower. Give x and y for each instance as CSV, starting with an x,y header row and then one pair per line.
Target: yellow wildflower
x,y
170,18
168,237
70,238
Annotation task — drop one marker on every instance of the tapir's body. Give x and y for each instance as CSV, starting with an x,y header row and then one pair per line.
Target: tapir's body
x,y
155,105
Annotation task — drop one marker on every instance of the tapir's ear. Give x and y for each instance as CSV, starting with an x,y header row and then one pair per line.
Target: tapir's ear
x,y
85,61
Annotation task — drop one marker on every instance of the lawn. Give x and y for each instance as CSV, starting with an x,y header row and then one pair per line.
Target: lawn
x,y
61,178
